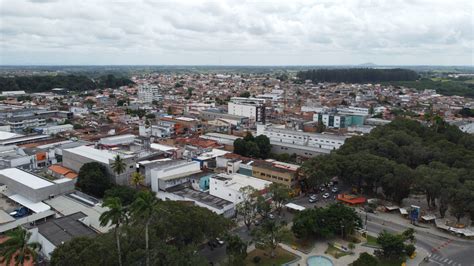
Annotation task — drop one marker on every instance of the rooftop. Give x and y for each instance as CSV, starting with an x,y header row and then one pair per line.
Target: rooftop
x,y
25,178
63,229
203,197
238,181
102,156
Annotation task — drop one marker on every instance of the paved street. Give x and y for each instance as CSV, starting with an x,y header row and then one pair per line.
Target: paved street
x,y
445,249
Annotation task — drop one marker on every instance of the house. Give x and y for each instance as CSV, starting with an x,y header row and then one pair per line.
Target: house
x,y
229,187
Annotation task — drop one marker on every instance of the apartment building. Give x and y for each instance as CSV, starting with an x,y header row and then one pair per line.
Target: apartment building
x,y
252,108
148,93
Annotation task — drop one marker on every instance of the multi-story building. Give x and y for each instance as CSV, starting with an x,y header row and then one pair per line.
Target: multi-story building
x,y
278,172
75,158
214,114
339,120
229,187
304,144
148,93
252,108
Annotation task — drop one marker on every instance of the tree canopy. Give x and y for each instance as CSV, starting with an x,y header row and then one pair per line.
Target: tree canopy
x,y
436,159
93,179
250,146
357,75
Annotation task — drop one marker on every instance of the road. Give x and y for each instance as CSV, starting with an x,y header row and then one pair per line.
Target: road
x,y
444,250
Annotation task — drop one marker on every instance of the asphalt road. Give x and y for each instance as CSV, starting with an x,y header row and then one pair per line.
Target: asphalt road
x,y
444,250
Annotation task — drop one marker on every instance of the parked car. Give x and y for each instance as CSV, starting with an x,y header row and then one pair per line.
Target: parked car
x,y
219,241
322,189
271,216
326,195
20,212
313,196
334,190
312,200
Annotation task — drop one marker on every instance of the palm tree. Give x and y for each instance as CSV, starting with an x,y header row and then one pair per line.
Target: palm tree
x,y
17,247
118,166
137,179
143,208
117,215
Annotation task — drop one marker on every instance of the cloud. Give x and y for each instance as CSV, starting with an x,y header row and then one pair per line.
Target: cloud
x,y
236,32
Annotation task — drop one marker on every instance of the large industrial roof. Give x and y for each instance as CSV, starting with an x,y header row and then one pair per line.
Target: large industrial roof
x,y
102,156
25,178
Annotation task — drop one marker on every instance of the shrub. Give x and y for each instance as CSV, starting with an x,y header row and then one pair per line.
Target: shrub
x,y
256,259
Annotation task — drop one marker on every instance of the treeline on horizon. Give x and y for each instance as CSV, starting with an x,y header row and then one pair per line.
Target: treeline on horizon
x,y
358,75
69,82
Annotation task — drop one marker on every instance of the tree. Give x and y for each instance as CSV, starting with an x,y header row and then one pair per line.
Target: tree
x,y
239,147
93,179
247,208
126,194
249,137
365,259
137,179
17,248
115,215
236,250
82,251
169,111
252,149
245,94
264,146
270,234
392,245
143,209
118,165
280,195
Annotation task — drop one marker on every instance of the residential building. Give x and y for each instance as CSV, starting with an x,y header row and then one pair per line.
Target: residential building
x,y
148,93
252,108
278,172
229,187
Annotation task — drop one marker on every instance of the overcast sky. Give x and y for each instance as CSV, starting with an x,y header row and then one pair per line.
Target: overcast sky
x,y
237,32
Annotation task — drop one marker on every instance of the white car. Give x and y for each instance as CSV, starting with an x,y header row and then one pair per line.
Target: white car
x,y
334,190
219,241
326,195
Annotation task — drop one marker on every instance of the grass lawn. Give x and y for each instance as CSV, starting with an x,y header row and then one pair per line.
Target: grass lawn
x,y
282,257
304,245
336,253
372,240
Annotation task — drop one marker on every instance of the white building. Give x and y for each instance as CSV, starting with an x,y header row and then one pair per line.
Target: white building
x,y
252,108
305,144
228,187
148,93
51,130
118,140
172,175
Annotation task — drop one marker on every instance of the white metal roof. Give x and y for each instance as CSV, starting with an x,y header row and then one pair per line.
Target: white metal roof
x,y
102,156
162,147
295,207
25,178
8,135
34,206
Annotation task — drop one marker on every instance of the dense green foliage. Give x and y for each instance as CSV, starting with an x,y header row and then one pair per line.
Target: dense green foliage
x,y
93,179
17,248
336,219
125,193
444,87
175,232
365,259
70,82
403,157
395,246
357,75
258,147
